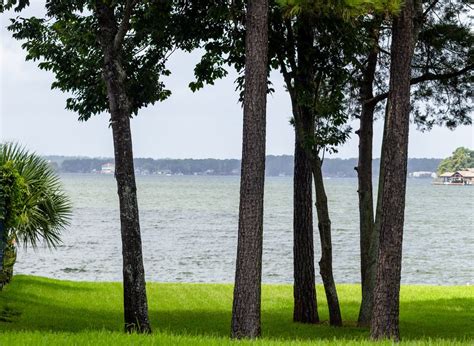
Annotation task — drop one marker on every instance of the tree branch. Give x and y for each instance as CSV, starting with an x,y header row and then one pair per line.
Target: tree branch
x,y
429,8
423,78
125,24
291,45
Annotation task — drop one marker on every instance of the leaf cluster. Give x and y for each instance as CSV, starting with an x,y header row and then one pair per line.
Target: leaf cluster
x,y
461,158
16,5
346,9
13,192
34,206
445,47
66,43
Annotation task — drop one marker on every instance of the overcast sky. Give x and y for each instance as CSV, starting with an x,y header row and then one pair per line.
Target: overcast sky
x,y
187,125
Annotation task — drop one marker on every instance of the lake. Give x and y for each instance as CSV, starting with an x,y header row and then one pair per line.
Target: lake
x,y
189,231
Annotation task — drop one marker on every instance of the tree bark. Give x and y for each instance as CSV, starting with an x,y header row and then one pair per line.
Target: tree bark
x,y
368,234
304,292
324,226
385,319
248,276
135,298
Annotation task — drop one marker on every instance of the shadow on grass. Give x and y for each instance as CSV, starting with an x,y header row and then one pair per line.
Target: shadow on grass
x,y
26,282
65,308
419,321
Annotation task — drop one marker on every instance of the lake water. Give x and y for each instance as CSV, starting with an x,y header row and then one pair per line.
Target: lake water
x,y
189,231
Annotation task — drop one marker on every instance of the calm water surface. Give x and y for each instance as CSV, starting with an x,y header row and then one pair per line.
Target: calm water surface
x,y
189,231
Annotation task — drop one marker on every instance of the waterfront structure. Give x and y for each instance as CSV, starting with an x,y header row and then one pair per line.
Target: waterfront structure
x,y
422,174
461,177
108,168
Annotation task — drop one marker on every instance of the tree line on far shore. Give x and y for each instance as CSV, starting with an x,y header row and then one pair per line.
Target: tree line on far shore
x,y
281,165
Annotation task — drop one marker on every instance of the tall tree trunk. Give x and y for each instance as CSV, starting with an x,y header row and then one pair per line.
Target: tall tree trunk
x,y
385,319
368,234
304,291
135,299
324,226
248,276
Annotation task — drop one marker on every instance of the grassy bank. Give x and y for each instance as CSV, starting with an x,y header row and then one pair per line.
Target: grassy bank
x,y
36,310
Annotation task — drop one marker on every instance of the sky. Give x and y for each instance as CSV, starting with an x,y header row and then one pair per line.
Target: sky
x,y
205,124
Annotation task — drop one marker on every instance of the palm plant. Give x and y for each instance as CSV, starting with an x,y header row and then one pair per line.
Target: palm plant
x,y
33,205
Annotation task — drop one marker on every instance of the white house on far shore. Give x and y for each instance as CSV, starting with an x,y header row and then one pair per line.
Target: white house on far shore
x,y
108,168
462,177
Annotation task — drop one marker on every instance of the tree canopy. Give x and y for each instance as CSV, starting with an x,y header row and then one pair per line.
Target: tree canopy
x,y
461,158
65,43
33,204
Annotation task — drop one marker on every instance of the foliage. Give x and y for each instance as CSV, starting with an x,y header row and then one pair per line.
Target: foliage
x,y
337,38
347,9
34,205
16,5
13,193
90,313
66,43
442,65
274,166
462,158
445,47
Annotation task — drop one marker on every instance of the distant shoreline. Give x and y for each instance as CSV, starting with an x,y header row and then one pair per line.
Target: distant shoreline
x,y
275,166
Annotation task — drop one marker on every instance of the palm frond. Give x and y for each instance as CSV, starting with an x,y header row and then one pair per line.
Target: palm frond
x,y
46,209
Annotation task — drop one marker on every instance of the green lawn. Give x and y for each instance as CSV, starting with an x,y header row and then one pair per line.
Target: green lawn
x,y
40,311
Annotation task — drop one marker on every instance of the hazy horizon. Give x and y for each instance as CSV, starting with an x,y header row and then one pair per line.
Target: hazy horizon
x,y
210,158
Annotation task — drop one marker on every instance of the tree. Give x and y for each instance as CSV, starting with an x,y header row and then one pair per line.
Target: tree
x,y
368,250
248,276
385,319
110,56
324,43
33,205
442,72
303,47
310,64
462,158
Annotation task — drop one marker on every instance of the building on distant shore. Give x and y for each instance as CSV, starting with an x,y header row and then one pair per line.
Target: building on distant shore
x,y
108,168
422,174
462,177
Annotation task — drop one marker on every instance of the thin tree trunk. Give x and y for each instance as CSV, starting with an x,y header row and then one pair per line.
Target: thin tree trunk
x,y
385,319
135,299
368,234
248,276
324,226
304,292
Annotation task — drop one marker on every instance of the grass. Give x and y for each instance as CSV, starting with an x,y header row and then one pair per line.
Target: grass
x,y
40,311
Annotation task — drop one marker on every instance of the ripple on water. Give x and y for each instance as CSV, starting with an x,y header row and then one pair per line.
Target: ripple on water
x,y
189,231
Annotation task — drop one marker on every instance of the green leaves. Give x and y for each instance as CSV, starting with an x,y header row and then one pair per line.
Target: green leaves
x,y
34,206
444,48
16,5
346,9
462,158
67,44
